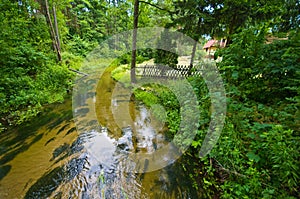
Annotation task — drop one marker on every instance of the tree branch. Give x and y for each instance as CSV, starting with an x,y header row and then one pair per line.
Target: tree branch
x,y
76,71
229,171
153,5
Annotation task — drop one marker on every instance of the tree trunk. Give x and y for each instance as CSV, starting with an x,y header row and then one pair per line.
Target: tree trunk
x,y
52,33
194,47
134,36
192,57
56,29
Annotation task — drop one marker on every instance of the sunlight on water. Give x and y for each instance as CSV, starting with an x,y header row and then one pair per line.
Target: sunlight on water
x,y
49,158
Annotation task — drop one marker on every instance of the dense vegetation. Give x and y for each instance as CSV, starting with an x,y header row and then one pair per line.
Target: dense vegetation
x,y
259,146
257,155
41,39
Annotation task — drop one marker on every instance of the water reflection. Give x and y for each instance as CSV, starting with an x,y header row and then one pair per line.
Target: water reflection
x,y
49,159
126,128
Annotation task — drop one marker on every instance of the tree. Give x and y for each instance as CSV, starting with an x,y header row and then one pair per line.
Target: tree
x,y
231,16
223,18
165,50
195,19
53,31
134,37
30,76
259,70
155,14
289,18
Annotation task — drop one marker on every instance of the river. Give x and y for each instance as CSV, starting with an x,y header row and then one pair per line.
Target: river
x,y
57,155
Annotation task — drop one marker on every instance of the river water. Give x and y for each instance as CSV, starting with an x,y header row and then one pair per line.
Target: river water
x,y
58,155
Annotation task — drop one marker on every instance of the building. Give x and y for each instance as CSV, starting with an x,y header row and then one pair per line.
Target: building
x,y
212,45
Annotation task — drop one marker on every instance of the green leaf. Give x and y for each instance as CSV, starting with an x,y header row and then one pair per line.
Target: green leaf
x,y
235,75
251,135
252,156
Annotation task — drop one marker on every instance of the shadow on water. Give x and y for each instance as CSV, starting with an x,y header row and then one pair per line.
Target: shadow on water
x,y
47,158
4,170
15,141
14,152
25,150
50,181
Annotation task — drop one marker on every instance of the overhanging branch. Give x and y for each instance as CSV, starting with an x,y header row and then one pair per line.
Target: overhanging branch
x,y
156,6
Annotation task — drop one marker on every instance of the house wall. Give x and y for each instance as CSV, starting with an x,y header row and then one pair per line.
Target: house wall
x,y
211,50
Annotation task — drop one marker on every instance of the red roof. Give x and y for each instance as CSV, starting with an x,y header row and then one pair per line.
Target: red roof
x,y
210,43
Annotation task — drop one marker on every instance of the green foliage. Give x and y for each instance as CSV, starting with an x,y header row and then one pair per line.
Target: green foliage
x,y
72,60
168,100
254,67
147,97
142,55
86,19
125,59
278,153
267,167
30,76
122,74
24,95
154,94
201,90
79,46
260,140
165,54
257,155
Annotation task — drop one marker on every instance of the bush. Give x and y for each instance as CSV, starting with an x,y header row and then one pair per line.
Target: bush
x,y
24,95
262,72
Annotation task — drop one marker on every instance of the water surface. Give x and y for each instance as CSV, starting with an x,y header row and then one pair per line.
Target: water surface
x,y
51,158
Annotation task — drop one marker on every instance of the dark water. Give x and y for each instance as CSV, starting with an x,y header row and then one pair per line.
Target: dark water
x,y
51,158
